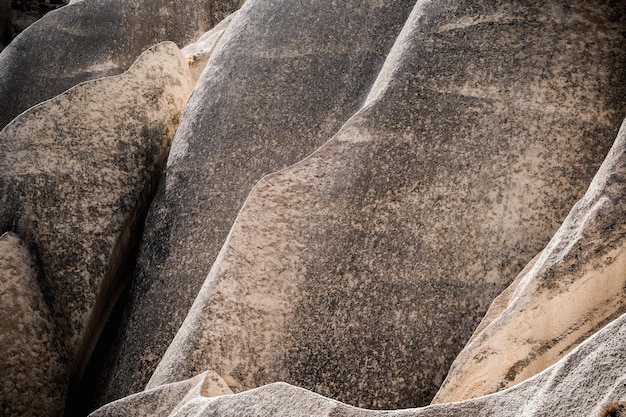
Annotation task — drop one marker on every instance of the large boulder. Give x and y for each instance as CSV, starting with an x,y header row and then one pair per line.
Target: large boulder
x,y
284,77
361,271
89,39
76,174
568,293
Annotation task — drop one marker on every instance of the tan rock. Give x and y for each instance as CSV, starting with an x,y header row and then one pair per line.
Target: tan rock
x,y
361,271
76,173
572,289
31,363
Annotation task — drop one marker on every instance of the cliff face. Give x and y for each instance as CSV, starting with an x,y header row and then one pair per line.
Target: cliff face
x,y
324,195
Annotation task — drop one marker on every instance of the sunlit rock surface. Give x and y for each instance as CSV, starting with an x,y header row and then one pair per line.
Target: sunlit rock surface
x,y
361,271
351,185
75,174
581,384
89,39
573,288
283,79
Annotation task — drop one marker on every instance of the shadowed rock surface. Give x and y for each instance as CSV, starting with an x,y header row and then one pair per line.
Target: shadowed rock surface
x,y
361,271
75,176
284,77
28,338
89,39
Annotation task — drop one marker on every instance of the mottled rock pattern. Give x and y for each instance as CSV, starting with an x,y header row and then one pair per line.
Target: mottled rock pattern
x,y
360,272
569,292
91,39
580,384
284,77
30,364
75,174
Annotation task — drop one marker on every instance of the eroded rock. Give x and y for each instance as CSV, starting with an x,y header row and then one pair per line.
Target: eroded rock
x,y
283,78
90,39
361,271
573,288
76,174
31,365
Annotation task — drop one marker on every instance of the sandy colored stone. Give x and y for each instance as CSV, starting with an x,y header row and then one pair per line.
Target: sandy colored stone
x,y
573,289
283,78
360,272
30,363
580,384
91,39
75,175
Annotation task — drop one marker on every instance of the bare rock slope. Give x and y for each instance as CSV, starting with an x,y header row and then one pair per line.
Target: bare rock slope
x,y
76,172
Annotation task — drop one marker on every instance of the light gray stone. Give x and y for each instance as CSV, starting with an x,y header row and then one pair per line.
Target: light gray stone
x,y
567,294
284,77
31,365
76,173
95,38
580,384
361,271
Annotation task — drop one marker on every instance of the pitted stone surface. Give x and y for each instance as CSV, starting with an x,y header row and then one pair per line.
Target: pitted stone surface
x,y
30,361
360,272
568,293
91,39
580,384
75,172
284,78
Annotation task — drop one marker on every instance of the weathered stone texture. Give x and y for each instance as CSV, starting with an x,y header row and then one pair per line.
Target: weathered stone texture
x,y
284,77
361,271
31,364
580,384
567,294
91,39
75,174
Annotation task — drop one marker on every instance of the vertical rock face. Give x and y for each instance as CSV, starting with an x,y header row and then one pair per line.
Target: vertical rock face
x,y
282,80
28,337
361,271
75,174
571,291
90,39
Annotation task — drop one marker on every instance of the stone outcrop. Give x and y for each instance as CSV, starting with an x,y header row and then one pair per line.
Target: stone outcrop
x,y
359,180
30,363
284,77
567,294
91,39
361,271
584,383
76,174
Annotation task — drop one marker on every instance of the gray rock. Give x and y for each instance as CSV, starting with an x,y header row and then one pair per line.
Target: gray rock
x,y
76,172
567,294
31,365
94,38
584,383
284,77
361,271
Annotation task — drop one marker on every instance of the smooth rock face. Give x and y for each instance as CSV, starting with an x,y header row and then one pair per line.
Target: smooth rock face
x,y
75,174
580,384
28,338
571,291
360,272
94,38
284,77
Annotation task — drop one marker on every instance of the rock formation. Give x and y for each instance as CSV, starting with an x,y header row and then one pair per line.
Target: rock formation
x,y
350,185
76,173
